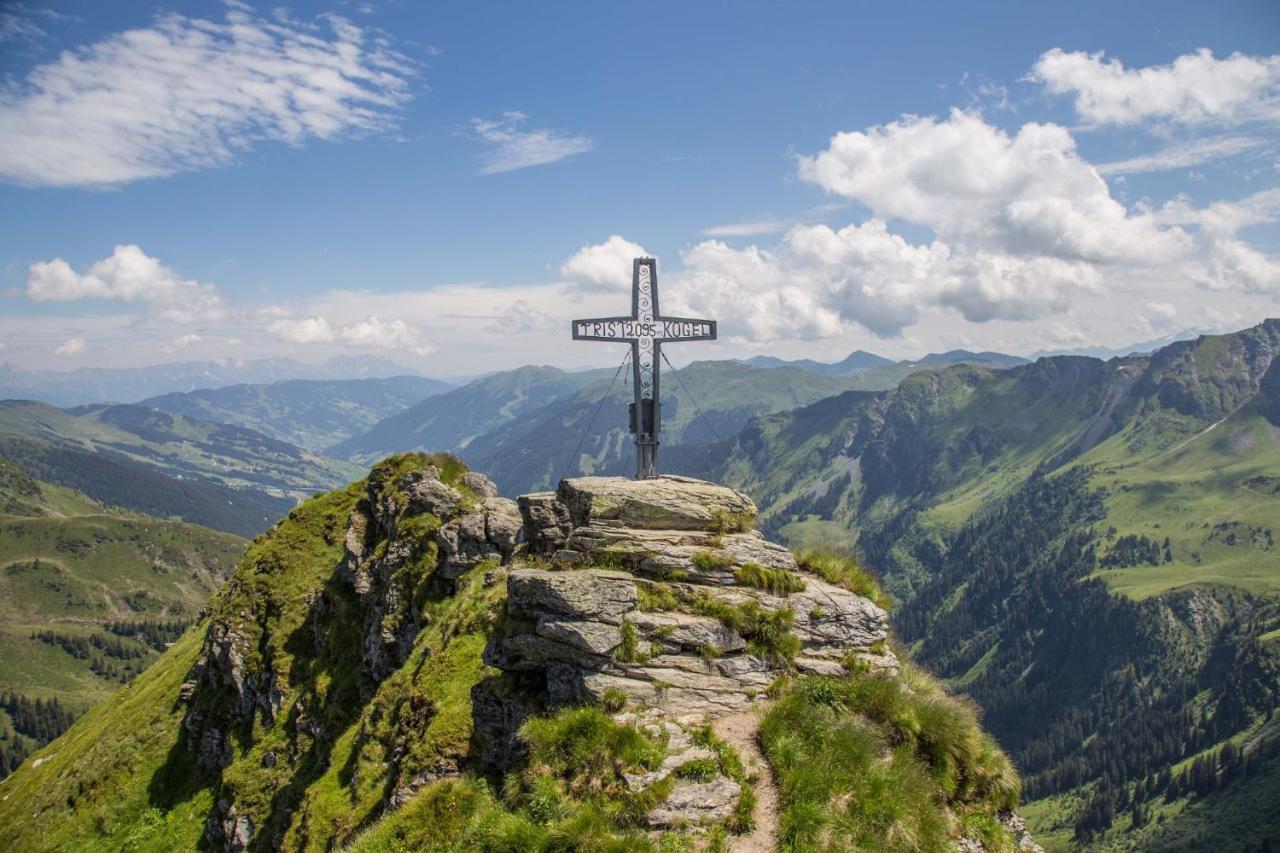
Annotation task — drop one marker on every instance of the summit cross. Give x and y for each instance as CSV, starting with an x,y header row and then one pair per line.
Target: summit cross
x,y
646,330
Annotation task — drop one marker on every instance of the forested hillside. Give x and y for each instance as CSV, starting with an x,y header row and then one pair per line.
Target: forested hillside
x,y
89,596
1086,548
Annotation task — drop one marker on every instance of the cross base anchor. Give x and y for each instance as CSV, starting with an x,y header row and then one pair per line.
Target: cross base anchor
x,y
646,457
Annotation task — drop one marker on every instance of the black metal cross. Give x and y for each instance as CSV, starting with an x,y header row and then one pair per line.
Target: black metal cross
x,y
646,330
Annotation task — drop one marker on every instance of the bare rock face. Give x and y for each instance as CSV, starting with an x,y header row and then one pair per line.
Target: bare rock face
x,y
661,599
698,617
663,503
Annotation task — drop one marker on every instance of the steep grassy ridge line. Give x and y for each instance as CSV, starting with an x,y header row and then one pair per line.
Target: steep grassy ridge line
x,y
177,446
310,413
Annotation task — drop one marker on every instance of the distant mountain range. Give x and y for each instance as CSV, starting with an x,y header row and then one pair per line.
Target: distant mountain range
x,y
452,420
856,362
585,432
311,413
1141,348
222,476
122,385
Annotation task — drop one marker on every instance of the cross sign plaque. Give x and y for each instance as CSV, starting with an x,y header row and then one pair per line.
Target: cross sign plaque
x,y
646,330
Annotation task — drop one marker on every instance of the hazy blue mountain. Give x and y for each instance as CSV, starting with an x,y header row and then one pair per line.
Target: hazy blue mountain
x,y
586,432
178,446
1141,348
888,376
856,362
311,413
450,421
109,384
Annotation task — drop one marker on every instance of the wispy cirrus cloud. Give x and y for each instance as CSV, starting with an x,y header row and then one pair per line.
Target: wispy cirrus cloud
x,y
1183,155
511,148
189,93
749,228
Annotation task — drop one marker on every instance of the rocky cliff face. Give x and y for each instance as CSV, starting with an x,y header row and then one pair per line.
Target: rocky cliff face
x,y
700,614
696,617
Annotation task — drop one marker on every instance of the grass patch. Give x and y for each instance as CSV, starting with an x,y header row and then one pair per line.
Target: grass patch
x,y
711,561
777,581
842,569
730,522
864,764
655,597
768,633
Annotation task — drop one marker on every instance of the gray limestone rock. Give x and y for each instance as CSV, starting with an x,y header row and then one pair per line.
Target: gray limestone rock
x,y
664,503
480,485
695,803
598,638
587,594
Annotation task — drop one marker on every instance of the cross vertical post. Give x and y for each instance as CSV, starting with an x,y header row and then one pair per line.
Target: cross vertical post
x,y
645,330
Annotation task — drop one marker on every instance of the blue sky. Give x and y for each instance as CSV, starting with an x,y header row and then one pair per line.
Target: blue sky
x,y
412,179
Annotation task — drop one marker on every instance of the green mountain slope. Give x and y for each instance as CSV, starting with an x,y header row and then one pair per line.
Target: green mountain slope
x,y
313,710
1086,548
177,445
450,421
536,451
310,413
89,596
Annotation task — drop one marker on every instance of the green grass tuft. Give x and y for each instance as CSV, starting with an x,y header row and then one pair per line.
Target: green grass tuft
x,y
777,581
842,569
863,763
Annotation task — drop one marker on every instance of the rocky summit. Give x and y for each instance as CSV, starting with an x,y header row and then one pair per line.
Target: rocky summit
x,y
415,662
685,621
697,615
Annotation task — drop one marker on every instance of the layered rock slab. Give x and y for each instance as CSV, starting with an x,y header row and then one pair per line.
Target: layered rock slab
x,y
674,627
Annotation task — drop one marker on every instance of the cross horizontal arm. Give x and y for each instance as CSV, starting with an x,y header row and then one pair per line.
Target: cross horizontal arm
x,y
612,329
684,329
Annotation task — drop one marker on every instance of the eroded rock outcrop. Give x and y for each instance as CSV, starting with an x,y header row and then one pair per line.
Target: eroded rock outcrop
x,y
415,531
693,619
699,616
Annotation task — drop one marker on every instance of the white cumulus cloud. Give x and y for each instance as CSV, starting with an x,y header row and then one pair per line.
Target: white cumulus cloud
x,y
370,333
511,148
127,275
974,184
188,93
603,266
302,330
71,346
821,282
1193,89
